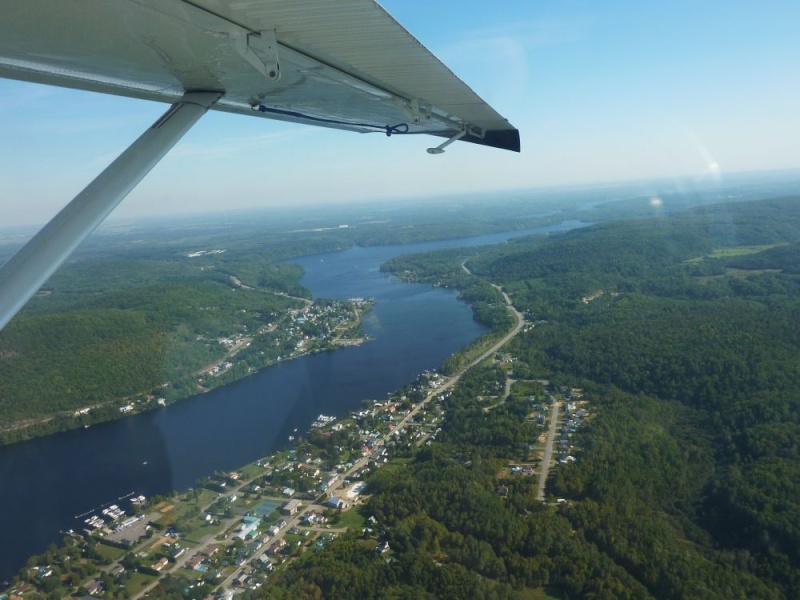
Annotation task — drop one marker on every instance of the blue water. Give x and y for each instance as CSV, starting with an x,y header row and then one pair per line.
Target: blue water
x,y
46,482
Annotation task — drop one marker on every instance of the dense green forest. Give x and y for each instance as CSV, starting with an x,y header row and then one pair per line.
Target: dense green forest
x,y
141,305
111,330
683,330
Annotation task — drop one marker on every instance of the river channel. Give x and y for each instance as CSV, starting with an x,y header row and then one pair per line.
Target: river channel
x,y
47,482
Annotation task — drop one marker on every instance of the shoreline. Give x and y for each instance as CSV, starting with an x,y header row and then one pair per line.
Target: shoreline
x,y
109,410
399,414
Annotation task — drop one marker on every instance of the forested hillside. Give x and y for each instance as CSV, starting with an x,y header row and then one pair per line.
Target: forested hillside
x,y
717,334
139,293
138,307
685,333
142,305
111,330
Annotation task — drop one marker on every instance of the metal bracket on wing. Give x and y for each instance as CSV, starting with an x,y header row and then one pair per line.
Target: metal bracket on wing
x,y
261,51
440,148
415,110
466,129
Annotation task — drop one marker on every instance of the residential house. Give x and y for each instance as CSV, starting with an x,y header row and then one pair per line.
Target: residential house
x,y
291,507
95,587
160,564
336,502
248,527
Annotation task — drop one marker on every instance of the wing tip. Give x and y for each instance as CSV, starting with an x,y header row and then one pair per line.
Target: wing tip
x,y
504,139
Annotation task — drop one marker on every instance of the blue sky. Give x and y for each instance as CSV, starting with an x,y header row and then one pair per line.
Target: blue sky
x,y
601,91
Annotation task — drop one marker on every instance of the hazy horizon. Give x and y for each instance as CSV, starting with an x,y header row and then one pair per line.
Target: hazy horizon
x,y
660,196
600,93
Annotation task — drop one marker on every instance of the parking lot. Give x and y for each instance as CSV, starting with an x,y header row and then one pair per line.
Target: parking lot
x,y
133,532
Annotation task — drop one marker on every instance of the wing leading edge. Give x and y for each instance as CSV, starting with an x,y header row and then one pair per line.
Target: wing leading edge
x,y
346,64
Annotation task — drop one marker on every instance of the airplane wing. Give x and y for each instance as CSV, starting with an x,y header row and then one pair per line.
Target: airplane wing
x,y
345,64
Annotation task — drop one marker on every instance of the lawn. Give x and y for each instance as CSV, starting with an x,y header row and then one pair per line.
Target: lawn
x,y
740,250
192,575
168,520
352,519
138,582
523,388
181,510
109,552
206,497
252,471
199,531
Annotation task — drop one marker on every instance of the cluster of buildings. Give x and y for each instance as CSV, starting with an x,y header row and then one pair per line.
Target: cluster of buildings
x,y
327,470
199,253
575,415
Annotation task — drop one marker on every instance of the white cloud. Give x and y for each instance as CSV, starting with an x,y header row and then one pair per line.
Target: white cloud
x,y
539,33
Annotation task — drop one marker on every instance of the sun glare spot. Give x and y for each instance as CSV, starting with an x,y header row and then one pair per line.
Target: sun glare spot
x,y
656,202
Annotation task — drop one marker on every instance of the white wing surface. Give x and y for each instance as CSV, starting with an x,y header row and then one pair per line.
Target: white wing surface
x,y
345,64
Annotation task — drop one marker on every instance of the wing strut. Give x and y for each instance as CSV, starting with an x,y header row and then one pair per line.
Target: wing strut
x,y
32,266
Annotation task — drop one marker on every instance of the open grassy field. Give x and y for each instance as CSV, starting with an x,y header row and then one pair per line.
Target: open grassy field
x,y
201,531
352,519
138,582
109,552
733,251
535,594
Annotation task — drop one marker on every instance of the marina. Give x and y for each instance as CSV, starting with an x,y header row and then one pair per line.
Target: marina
x,y
113,518
104,507
322,421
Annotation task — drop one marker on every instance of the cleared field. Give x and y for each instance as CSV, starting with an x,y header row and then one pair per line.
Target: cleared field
x,y
109,552
535,594
733,251
352,519
138,582
198,534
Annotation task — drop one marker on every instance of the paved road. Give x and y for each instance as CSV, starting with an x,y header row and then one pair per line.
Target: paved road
x,y
504,397
548,448
362,462
295,520
204,542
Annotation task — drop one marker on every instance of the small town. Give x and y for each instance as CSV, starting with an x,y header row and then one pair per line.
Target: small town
x,y
316,327
230,531
233,529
